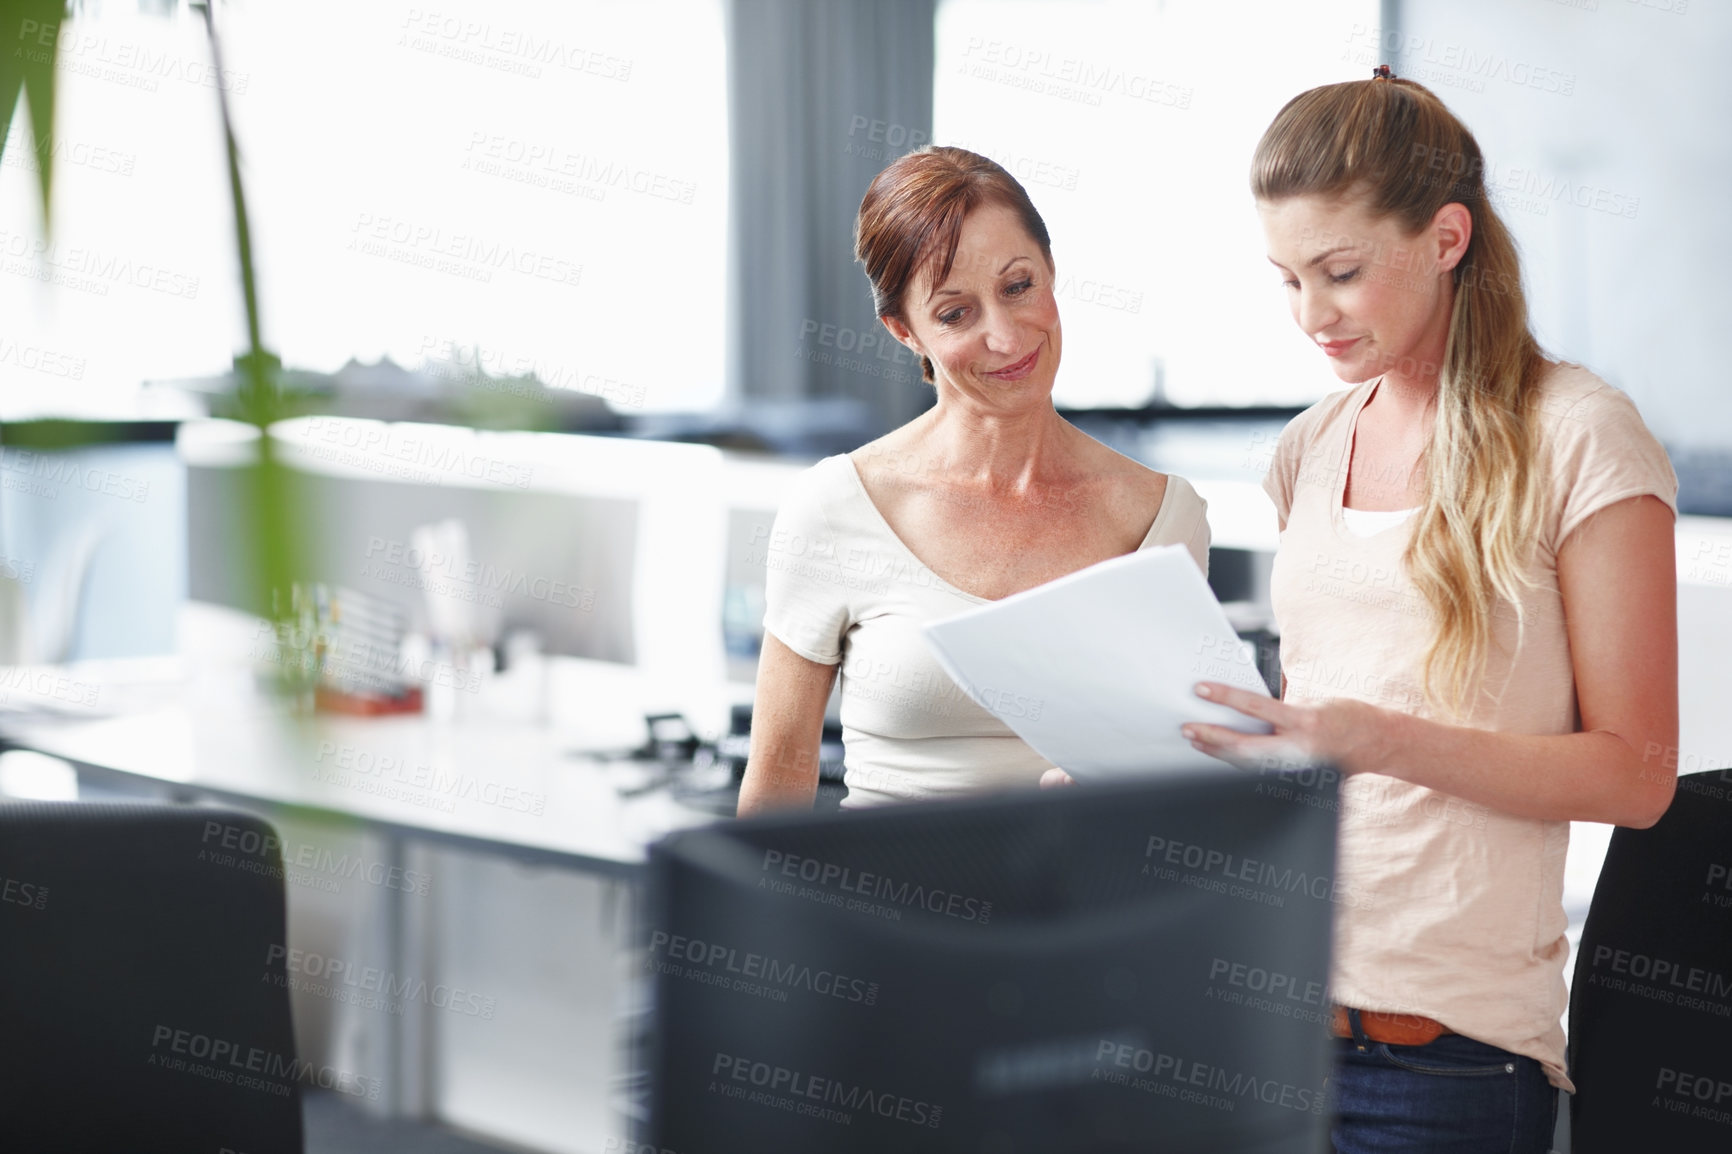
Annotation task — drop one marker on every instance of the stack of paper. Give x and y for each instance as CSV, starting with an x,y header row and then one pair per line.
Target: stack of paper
x,y
1098,669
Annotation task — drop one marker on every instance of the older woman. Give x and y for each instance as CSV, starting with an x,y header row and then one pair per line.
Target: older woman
x,y
986,494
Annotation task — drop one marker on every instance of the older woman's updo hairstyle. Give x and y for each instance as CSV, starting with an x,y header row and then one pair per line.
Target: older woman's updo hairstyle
x,y
911,219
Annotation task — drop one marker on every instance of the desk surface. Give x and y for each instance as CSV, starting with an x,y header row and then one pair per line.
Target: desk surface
x,y
535,791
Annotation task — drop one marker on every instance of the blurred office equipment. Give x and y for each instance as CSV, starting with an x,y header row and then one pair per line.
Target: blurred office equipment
x,y
1651,1004
606,549
1053,972
92,526
143,985
346,648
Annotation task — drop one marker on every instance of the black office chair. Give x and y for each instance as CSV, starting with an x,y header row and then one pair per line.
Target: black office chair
x,y
1651,1003
144,1004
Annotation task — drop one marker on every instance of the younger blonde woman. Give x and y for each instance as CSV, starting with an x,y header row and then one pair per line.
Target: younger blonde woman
x,y
1476,598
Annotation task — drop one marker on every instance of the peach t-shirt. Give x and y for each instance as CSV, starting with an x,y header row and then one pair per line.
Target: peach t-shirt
x,y
1457,909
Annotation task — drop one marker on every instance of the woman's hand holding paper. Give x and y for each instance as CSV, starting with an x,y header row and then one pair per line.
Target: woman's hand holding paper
x,y
1353,735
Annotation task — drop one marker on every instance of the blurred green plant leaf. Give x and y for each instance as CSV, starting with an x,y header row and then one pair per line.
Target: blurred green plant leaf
x,y
29,47
30,34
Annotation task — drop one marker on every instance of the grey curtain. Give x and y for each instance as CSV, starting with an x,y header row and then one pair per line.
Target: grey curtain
x,y
823,94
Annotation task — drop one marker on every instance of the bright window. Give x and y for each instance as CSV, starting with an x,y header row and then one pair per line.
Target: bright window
x,y
1132,126
547,183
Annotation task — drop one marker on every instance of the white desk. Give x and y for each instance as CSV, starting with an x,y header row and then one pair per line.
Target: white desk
x,y
530,791
535,794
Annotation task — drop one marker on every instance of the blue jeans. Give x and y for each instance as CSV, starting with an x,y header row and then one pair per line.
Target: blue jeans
x,y
1452,1096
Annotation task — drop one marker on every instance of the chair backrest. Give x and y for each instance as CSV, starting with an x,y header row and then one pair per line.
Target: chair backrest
x,y
144,1002
1651,1003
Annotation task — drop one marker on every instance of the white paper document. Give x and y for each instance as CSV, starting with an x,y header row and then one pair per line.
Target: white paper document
x,y
1098,669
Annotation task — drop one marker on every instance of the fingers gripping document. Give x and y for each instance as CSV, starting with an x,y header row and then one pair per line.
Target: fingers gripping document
x,y
1097,670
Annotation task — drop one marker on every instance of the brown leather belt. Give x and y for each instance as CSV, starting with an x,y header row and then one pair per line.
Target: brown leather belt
x,y
1395,1029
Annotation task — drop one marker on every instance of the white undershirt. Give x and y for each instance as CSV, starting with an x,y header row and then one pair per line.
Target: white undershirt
x,y
1370,522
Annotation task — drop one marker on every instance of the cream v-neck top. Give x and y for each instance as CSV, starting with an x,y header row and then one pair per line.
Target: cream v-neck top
x,y
1453,910
841,587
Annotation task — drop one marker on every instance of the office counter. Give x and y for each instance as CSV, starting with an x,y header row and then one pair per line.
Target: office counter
x,y
479,779
416,848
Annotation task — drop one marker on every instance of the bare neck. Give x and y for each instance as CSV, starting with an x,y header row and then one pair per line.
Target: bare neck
x,y
1002,450
1404,401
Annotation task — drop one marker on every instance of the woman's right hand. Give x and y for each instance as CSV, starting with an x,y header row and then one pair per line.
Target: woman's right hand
x,y
1054,778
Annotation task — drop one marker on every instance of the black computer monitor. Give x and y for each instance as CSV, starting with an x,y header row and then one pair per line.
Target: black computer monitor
x,y
1130,966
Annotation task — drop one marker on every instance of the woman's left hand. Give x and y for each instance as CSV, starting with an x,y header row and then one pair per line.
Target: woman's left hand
x,y
1352,735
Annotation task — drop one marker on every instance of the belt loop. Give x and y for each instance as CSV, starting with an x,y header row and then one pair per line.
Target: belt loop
x,y
1359,1038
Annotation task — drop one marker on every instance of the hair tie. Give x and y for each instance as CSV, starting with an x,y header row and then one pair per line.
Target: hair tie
x,y
1381,72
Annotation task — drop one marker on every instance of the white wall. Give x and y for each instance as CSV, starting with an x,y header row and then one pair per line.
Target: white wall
x,y
1620,105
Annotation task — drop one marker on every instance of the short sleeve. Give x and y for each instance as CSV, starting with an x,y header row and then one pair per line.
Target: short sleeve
x,y
1284,460
1198,538
806,603
1199,542
1183,520
1603,453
